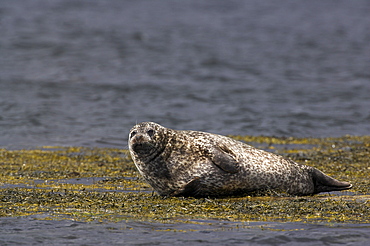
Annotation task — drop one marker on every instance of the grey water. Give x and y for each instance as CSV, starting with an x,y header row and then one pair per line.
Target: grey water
x,y
82,73
32,231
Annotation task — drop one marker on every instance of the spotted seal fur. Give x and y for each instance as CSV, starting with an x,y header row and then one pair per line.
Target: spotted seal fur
x,y
199,164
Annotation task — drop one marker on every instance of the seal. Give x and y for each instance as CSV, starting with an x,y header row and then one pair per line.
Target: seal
x,y
200,164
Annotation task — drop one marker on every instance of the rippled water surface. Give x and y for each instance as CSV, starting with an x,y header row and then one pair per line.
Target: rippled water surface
x,y
27,231
82,73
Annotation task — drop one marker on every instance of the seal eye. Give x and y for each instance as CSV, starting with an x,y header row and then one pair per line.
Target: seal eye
x,y
133,134
150,132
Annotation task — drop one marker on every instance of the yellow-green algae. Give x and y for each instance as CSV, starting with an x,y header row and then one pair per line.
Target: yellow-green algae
x,y
30,184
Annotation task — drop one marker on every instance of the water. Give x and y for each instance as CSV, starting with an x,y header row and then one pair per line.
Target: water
x,y
82,73
32,231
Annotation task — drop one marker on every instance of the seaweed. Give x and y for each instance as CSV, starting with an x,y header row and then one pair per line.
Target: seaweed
x,y
102,184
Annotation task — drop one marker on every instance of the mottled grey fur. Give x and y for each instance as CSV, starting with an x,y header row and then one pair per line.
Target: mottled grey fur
x,y
192,163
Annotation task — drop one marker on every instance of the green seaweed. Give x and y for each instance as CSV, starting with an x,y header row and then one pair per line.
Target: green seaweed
x,y
31,183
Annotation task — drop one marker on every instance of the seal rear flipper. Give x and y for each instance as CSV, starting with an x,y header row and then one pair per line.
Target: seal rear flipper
x,y
324,183
224,159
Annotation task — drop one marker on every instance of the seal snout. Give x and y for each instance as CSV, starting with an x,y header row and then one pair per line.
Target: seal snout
x,y
138,138
140,143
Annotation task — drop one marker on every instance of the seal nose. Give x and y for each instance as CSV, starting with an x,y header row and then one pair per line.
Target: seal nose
x,y
140,144
138,138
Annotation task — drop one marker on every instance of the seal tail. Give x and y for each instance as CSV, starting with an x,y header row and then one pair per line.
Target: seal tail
x,y
324,183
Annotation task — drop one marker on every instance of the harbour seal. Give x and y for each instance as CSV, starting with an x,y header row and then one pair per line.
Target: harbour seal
x,y
200,164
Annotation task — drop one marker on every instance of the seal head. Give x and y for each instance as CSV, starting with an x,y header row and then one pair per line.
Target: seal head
x,y
146,140
147,144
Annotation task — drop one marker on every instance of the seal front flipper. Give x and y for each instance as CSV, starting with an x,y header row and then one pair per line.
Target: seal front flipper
x,y
324,183
190,189
224,159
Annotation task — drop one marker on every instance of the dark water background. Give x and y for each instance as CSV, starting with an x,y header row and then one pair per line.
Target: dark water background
x,y
78,73
84,72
